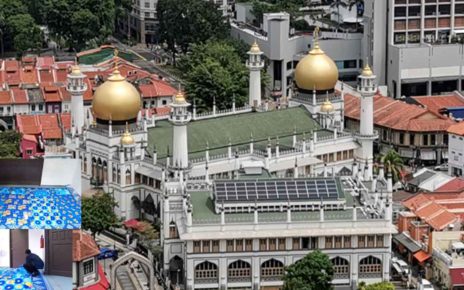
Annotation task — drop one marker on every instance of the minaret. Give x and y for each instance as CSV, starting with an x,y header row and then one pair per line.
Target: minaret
x,y
255,64
77,87
179,118
367,88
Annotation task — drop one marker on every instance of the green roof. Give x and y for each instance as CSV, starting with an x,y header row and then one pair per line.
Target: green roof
x,y
236,128
105,54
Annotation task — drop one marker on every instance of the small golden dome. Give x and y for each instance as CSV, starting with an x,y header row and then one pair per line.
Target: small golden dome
x,y
327,106
75,70
255,48
127,138
179,98
316,71
367,72
116,99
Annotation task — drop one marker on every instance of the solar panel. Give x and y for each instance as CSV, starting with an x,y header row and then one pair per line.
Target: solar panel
x,y
278,190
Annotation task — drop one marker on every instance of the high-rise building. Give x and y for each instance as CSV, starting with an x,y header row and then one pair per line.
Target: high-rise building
x,y
415,45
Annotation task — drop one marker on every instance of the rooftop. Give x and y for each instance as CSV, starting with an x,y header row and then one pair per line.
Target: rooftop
x,y
217,132
83,246
398,115
457,129
437,103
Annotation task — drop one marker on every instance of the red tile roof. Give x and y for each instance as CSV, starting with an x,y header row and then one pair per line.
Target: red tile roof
x,y
434,214
398,115
84,246
31,138
46,76
12,72
19,96
66,121
28,75
454,185
157,88
28,124
61,75
45,61
5,98
51,94
437,103
457,129
161,111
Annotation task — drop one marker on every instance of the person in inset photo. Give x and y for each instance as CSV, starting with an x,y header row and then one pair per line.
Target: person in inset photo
x,y
33,263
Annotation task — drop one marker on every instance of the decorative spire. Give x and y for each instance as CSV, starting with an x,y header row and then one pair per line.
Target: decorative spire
x,y
255,47
316,48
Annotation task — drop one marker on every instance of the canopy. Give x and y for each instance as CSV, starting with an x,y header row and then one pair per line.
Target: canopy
x,y
421,256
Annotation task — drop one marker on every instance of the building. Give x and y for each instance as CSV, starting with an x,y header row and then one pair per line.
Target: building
x,y
456,149
180,162
418,134
450,105
427,180
283,47
416,45
448,260
88,274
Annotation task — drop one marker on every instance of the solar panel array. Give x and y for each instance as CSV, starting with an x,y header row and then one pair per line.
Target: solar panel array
x,y
275,190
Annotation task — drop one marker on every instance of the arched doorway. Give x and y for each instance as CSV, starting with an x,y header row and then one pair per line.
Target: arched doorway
x,y
176,271
370,267
130,257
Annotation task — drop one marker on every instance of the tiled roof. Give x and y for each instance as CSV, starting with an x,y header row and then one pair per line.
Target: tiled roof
x,y
47,125
398,115
437,103
28,137
65,95
19,96
156,88
28,124
46,76
45,61
51,94
28,75
162,111
84,246
66,121
61,75
457,129
434,214
455,185
5,98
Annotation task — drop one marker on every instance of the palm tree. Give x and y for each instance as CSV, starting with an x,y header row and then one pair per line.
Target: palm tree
x,y
393,163
338,3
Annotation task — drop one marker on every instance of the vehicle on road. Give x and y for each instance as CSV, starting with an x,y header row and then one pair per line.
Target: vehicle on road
x,y
106,253
400,266
442,167
425,285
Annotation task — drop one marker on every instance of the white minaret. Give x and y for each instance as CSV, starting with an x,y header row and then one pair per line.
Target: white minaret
x,y
77,87
179,118
255,64
367,88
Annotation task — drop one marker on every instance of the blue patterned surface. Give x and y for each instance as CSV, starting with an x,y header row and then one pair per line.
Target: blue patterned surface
x,y
39,208
19,278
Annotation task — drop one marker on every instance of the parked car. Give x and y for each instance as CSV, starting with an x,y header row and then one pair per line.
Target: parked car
x,y
425,285
400,266
442,167
106,253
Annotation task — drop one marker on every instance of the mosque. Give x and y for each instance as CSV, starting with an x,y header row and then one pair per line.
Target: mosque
x,y
243,192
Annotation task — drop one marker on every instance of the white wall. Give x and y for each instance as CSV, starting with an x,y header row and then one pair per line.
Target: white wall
x,y
34,243
4,248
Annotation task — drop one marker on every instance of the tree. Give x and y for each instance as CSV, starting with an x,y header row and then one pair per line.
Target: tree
x,y
8,8
9,144
214,70
182,23
393,163
313,272
376,286
27,35
97,212
83,32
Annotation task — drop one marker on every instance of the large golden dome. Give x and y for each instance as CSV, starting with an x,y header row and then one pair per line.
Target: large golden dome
x,y
116,99
316,71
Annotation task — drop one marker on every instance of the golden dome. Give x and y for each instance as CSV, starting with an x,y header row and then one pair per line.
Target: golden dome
x,y
316,71
127,138
255,48
367,72
179,98
116,99
75,70
327,106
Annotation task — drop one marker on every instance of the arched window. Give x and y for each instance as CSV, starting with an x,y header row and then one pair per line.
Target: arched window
x,y
370,266
128,177
272,270
341,268
206,272
173,234
239,271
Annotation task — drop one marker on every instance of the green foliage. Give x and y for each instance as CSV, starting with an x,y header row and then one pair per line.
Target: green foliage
x,y
9,144
27,35
393,163
182,23
97,212
376,286
215,70
313,272
271,6
83,32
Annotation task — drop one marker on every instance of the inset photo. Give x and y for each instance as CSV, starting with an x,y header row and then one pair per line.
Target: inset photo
x,y
40,194
36,259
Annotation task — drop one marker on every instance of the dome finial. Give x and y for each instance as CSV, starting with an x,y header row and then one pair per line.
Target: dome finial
x,y
316,37
367,71
116,67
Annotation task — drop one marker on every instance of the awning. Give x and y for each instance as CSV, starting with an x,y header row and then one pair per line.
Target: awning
x,y
428,155
407,242
421,256
102,284
408,153
457,276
